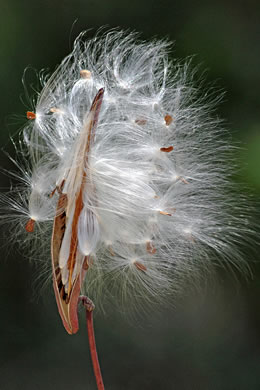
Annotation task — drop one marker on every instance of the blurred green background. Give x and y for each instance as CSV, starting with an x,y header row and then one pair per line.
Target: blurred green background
x,y
210,340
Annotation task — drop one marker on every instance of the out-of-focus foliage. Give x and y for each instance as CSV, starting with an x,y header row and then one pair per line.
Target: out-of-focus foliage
x,y
211,340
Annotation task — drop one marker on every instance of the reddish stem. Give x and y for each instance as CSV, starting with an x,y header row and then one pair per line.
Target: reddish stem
x,y
93,349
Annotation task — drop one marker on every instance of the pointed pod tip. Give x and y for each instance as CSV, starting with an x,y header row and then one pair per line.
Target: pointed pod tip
x,y
101,91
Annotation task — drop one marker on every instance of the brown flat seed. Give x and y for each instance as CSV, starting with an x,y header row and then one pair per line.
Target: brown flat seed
x,y
183,180
29,227
165,213
56,110
112,253
140,122
140,266
85,265
168,119
85,74
166,150
150,248
88,262
30,115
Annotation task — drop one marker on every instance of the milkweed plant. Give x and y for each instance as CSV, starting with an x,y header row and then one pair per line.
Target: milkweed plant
x,y
124,146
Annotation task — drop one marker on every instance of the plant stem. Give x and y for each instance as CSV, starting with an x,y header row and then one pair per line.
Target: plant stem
x,y
89,306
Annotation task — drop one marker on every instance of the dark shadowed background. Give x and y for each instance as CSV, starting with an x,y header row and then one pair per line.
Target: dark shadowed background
x,y
211,341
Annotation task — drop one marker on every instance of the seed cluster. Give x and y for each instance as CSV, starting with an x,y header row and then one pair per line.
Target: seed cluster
x,y
157,203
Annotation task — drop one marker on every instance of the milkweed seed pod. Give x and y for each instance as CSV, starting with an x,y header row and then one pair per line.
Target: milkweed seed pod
x,y
126,159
